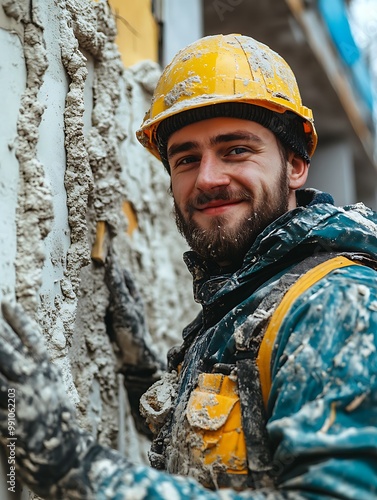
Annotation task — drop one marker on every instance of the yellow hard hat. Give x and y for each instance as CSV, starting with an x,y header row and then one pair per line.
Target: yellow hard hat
x,y
222,70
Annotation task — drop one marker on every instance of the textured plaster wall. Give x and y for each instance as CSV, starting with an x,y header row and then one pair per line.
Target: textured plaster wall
x,y
69,158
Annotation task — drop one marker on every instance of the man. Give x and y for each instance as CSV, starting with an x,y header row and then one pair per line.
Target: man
x,y
272,394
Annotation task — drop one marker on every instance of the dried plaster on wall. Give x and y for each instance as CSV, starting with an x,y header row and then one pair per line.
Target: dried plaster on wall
x,y
93,193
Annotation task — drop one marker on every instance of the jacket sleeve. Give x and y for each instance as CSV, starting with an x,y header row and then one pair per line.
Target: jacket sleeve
x,y
323,402
322,405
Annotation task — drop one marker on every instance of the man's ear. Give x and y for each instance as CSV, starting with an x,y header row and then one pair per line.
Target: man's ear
x,y
298,170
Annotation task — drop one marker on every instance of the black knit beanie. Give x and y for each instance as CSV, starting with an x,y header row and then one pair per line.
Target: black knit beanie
x,y
288,127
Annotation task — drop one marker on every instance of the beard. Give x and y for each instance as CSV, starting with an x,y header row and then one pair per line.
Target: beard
x,y
224,240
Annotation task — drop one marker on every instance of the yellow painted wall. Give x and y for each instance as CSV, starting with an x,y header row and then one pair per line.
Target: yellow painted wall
x,y
137,30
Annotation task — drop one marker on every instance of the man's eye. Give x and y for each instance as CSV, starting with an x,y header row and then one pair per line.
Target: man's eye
x,y
238,150
186,161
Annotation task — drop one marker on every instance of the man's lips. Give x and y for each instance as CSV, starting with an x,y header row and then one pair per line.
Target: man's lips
x,y
217,206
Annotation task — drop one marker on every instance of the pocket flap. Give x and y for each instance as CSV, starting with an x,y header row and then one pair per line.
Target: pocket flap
x,y
209,411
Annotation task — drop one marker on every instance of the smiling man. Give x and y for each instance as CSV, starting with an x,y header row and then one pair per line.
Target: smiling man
x,y
273,393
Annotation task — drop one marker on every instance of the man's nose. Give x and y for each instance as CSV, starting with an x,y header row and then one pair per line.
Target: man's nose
x,y
211,173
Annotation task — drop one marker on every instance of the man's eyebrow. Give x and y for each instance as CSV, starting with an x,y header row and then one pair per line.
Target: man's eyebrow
x,y
181,148
236,136
217,139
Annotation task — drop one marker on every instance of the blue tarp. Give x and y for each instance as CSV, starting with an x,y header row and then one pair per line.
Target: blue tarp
x,y
334,14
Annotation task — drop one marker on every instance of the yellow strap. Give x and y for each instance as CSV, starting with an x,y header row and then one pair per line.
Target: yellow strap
x,y
298,288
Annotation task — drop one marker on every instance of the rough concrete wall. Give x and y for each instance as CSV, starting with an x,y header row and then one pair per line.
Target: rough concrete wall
x,y
69,160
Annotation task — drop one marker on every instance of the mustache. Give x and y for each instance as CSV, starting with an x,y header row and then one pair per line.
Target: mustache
x,y
222,193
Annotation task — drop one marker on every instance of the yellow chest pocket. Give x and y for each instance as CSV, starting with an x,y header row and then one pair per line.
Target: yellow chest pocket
x,y
214,415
